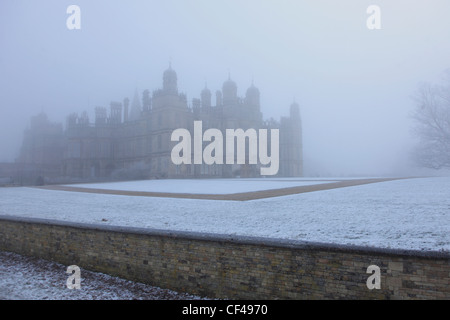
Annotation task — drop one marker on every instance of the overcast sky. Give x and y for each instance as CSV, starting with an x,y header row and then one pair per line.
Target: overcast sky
x,y
354,85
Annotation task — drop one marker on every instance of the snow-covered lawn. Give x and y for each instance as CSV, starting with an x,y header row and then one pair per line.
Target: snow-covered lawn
x,y
407,214
213,186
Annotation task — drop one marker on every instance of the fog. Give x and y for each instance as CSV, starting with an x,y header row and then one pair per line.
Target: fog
x,y
353,85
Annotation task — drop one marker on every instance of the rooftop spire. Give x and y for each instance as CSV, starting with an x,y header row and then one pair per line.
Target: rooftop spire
x,y
135,111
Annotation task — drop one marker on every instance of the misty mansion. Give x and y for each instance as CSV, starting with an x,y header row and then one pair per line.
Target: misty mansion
x,y
133,140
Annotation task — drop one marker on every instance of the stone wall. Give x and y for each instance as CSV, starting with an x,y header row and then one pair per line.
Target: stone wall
x,y
231,267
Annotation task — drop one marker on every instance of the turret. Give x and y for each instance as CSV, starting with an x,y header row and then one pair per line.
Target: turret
x,y
146,101
135,110
170,81
126,103
229,90
295,110
252,96
206,98
116,112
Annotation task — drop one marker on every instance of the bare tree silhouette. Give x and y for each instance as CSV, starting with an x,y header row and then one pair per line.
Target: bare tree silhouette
x,y
432,117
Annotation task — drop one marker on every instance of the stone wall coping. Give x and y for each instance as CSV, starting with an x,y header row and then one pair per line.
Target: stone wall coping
x,y
238,239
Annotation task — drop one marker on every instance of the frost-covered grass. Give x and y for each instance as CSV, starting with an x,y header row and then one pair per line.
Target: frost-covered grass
x,y
407,214
197,186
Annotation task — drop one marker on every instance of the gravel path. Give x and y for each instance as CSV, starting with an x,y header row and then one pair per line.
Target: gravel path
x,y
27,278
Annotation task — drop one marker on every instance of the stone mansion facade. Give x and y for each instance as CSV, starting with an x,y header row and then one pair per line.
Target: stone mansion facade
x,y
133,139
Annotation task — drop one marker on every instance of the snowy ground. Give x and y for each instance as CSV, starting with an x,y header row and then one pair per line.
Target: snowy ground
x,y
406,214
213,186
25,278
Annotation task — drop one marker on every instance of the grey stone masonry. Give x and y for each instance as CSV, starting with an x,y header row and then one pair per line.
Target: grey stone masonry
x,y
231,267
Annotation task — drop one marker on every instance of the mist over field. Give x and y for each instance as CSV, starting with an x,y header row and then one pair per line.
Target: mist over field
x,y
353,84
